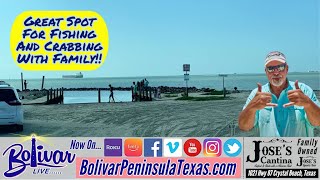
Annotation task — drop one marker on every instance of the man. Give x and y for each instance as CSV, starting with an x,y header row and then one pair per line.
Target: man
x,y
135,92
146,83
25,85
280,108
111,93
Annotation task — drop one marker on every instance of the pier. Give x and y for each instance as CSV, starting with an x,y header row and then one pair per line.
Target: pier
x,y
55,96
142,94
40,97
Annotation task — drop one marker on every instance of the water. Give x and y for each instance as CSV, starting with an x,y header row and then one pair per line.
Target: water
x,y
241,81
72,97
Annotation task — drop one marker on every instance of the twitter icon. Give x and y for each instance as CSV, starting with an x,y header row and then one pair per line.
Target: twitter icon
x,y
232,147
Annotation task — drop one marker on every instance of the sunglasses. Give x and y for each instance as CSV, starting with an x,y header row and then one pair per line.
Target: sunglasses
x,y
280,68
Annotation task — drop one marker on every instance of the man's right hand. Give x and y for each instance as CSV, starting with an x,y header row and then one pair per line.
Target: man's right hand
x,y
247,116
262,99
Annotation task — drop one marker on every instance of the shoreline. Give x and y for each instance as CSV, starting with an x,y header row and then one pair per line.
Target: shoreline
x,y
166,117
178,75
160,118
36,93
164,90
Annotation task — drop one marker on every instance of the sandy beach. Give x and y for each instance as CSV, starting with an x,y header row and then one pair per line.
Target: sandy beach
x,y
162,118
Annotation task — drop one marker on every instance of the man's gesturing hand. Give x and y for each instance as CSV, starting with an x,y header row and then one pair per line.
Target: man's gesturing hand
x,y
297,97
262,99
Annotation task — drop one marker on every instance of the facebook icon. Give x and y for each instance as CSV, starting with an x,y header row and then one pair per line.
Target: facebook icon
x,y
153,147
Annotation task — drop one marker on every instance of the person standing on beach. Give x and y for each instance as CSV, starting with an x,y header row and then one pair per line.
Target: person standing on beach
x,y
111,93
135,92
25,85
146,83
280,108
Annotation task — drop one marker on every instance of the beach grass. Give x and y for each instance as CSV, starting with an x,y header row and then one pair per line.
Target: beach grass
x,y
214,92
171,95
207,98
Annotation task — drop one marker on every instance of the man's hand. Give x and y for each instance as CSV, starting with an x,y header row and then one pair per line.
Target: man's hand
x,y
247,116
262,99
297,97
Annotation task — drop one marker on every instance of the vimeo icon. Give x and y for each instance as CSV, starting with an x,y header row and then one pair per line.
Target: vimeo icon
x,y
172,148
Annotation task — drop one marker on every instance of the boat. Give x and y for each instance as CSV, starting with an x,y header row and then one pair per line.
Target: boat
x,y
311,71
78,75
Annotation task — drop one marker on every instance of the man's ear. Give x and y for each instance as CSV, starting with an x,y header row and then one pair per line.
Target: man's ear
x,y
287,68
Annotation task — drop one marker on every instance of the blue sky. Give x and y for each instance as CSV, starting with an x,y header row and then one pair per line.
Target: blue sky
x,y
156,37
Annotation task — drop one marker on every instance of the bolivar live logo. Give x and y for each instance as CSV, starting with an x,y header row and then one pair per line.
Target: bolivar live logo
x,y
20,158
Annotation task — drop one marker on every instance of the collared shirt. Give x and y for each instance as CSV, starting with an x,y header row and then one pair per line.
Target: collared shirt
x,y
135,89
278,121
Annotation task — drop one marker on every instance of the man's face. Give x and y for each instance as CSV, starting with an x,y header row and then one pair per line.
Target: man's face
x,y
276,72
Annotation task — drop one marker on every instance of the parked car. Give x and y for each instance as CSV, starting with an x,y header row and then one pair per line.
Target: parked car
x,y
11,111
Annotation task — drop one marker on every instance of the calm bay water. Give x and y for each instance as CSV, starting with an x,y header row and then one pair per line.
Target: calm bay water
x,y
241,81
71,97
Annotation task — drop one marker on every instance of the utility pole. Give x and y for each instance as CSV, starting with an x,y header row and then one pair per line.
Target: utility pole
x,y
224,89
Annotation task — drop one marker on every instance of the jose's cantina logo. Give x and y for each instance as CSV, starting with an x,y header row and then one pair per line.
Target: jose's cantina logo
x,y
20,158
270,154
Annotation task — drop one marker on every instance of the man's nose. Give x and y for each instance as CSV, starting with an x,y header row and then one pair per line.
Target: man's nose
x,y
276,71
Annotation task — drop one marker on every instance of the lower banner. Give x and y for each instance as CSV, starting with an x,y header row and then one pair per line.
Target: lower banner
x,y
35,157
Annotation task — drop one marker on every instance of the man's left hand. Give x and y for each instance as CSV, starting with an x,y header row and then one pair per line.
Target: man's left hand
x,y
297,97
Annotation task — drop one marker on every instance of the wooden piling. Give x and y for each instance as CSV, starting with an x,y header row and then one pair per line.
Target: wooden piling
x,y
143,96
55,96
150,94
22,81
50,94
62,94
99,95
48,97
42,82
132,94
139,93
147,97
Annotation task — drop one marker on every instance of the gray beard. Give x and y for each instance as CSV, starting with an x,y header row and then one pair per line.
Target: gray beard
x,y
277,83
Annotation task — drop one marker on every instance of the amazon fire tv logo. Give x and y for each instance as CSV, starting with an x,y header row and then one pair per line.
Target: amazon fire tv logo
x,y
133,147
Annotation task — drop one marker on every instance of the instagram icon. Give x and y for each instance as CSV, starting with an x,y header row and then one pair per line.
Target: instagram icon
x,y
212,147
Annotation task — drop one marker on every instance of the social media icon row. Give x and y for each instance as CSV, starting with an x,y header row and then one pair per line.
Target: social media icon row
x,y
170,147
